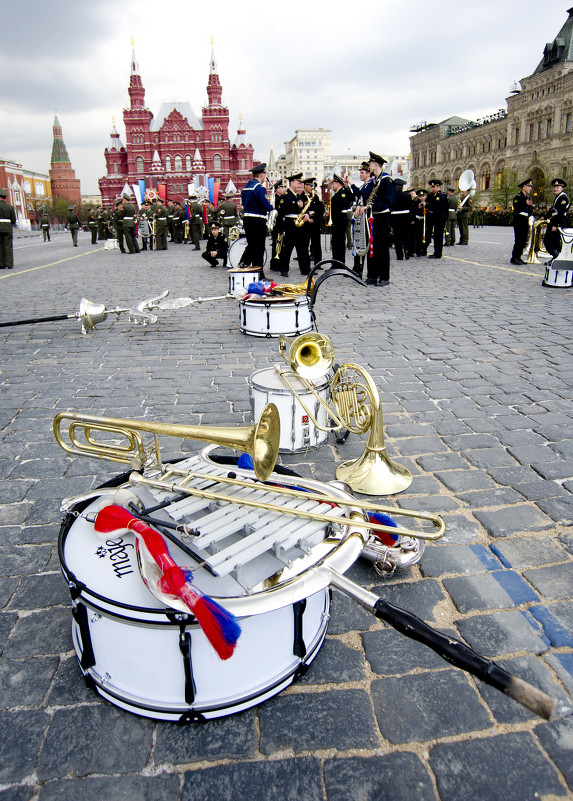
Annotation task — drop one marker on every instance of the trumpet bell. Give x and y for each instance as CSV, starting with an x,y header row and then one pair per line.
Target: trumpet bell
x,y
309,356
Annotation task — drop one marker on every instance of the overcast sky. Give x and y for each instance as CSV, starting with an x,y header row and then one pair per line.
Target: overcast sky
x,y
366,71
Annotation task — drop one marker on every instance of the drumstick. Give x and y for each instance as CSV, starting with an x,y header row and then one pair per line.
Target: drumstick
x,y
452,650
220,627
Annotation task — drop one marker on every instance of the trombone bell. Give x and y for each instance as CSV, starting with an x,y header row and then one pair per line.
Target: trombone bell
x,y
260,441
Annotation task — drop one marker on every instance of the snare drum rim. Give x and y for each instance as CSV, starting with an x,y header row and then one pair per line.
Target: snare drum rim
x,y
285,390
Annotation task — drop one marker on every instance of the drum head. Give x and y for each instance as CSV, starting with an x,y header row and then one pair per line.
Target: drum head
x,y
236,252
269,379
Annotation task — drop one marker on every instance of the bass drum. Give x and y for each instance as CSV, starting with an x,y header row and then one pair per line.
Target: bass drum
x,y
298,432
235,253
271,318
155,661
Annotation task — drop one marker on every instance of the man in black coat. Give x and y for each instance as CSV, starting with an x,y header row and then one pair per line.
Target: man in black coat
x,y
438,208
216,247
522,211
557,218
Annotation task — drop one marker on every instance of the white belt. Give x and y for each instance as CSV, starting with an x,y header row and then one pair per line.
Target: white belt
x,y
524,213
384,211
127,218
404,211
260,216
291,216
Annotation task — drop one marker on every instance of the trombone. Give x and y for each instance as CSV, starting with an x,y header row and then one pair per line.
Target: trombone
x,y
260,441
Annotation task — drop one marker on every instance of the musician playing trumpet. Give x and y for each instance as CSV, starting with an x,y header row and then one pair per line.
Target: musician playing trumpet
x,y
341,202
293,202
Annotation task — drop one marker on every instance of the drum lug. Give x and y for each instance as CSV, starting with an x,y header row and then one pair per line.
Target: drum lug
x,y
191,717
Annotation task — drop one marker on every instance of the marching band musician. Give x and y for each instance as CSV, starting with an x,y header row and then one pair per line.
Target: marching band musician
x,y
256,209
277,233
464,214
400,217
360,194
228,213
341,202
438,211
420,218
557,218
380,200
160,215
216,247
312,226
522,211
127,216
195,212
452,217
291,207
144,219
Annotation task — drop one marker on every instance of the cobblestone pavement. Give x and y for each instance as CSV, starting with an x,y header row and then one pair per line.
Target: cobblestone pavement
x,y
473,359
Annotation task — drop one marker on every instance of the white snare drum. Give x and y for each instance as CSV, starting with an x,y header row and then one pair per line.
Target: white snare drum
x,y
155,661
559,274
297,430
266,318
111,244
235,253
240,279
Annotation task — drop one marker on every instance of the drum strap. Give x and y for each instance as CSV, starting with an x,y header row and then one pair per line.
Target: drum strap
x,y
80,614
185,648
299,648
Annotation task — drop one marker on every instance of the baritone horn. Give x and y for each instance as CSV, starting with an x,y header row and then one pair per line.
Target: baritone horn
x,y
536,252
355,406
260,441
467,183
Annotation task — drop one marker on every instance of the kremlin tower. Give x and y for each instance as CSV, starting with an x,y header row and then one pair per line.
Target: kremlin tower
x,y
65,185
175,147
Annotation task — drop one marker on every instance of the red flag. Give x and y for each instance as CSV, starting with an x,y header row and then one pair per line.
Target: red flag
x,y
216,189
162,192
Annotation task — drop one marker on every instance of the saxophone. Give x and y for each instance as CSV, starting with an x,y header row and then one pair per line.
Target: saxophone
x,y
299,222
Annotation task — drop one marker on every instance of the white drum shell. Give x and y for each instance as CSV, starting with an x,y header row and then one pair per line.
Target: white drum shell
x,y
236,250
298,432
561,276
240,279
271,319
138,664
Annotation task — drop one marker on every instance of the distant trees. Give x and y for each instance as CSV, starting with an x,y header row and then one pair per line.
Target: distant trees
x,y
505,189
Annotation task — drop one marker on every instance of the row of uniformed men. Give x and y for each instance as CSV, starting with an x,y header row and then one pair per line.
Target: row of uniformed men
x,y
523,213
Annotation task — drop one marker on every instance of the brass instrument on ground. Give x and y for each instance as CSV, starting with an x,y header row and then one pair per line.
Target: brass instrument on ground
x,y
260,441
534,245
355,406
299,222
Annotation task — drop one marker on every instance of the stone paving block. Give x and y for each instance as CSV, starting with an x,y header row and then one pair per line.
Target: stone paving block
x,y
347,615
442,461
419,597
35,592
472,442
340,719
535,672
503,633
557,739
511,476
554,470
530,454
334,664
390,653
463,480
8,587
39,633
537,490
558,509
460,530
286,779
519,552
20,793
481,499
116,788
516,770
557,622
502,589
422,445
233,737
486,458
21,735
7,623
511,520
562,664
392,777
24,559
439,560
95,739
413,708
555,583
25,682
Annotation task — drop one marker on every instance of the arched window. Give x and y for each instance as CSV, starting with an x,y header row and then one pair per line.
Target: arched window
x,y
216,162
168,163
178,164
188,163
138,164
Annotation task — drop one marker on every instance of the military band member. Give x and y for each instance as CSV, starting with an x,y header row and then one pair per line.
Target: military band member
x,y
420,221
292,205
45,226
101,217
400,218
7,221
228,214
380,201
452,220
145,220
522,211
92,224
170,210
74,223
313,220
277,233
256,210
160,221
557,218
438,211
361,194
341,202
116,216
128,224
464,214
216,247
195,219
